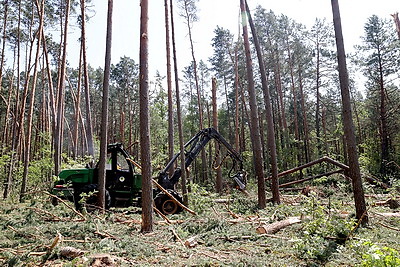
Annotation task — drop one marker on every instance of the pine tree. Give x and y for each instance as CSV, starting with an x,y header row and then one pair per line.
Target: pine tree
x,y
379,55
348,125
145,152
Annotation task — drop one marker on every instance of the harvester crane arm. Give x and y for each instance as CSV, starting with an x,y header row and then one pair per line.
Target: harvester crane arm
x,y
195,145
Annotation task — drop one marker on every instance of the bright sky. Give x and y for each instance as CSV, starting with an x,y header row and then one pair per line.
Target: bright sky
x,y
224,13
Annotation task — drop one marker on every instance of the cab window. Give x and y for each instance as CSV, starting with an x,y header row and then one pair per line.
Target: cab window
x,y
122,163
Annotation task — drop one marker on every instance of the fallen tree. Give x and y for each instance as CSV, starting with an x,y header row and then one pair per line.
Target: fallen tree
x,y
343,169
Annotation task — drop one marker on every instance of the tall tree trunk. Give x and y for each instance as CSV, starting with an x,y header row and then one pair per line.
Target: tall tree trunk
x,y
147,191
270,122
245,118
104,113
199,94
237,135
169,84
305,121
383,128
15,128
178,112
77,108
218,184
254,121
324,130
58,136
2,52
295,115
317,103
360,132
349,131
280,92
3,48
89,126
11,92
28,136
228,109
50,83
22,106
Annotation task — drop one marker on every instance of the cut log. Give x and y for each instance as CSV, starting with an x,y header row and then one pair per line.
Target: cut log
x,y
276,226
191,242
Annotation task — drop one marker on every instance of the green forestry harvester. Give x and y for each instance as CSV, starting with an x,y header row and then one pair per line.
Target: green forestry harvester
x,y
124,183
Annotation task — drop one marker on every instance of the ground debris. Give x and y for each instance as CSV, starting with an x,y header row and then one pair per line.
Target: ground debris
x,y
100,260
70,252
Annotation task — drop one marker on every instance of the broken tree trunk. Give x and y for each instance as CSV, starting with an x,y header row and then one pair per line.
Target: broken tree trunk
x,y
276,226
310,178
309,164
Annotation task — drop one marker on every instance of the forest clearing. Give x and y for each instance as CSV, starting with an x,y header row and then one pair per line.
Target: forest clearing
x,y
224,232
277,148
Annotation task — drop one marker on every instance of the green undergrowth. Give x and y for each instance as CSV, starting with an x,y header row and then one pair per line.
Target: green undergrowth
x,y
224,231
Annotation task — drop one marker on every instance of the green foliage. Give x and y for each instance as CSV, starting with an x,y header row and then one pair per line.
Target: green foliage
x,y
4,161
242,204
370,158
200,199
321,235
40,172
380,256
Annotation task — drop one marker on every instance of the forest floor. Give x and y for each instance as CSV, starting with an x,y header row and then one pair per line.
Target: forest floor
x,y
223,233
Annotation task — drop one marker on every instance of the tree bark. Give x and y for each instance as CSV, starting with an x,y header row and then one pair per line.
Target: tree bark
x,y
58,135
383,127
295,115
218,184
237,135
324,130
268,110
349,131
198,91
27,154
3,48
305,121
317,103
169,85
77,108
178,112
21,114
15,128
144,118
254,121
4,37
104,113
11,92
51,87
89,126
